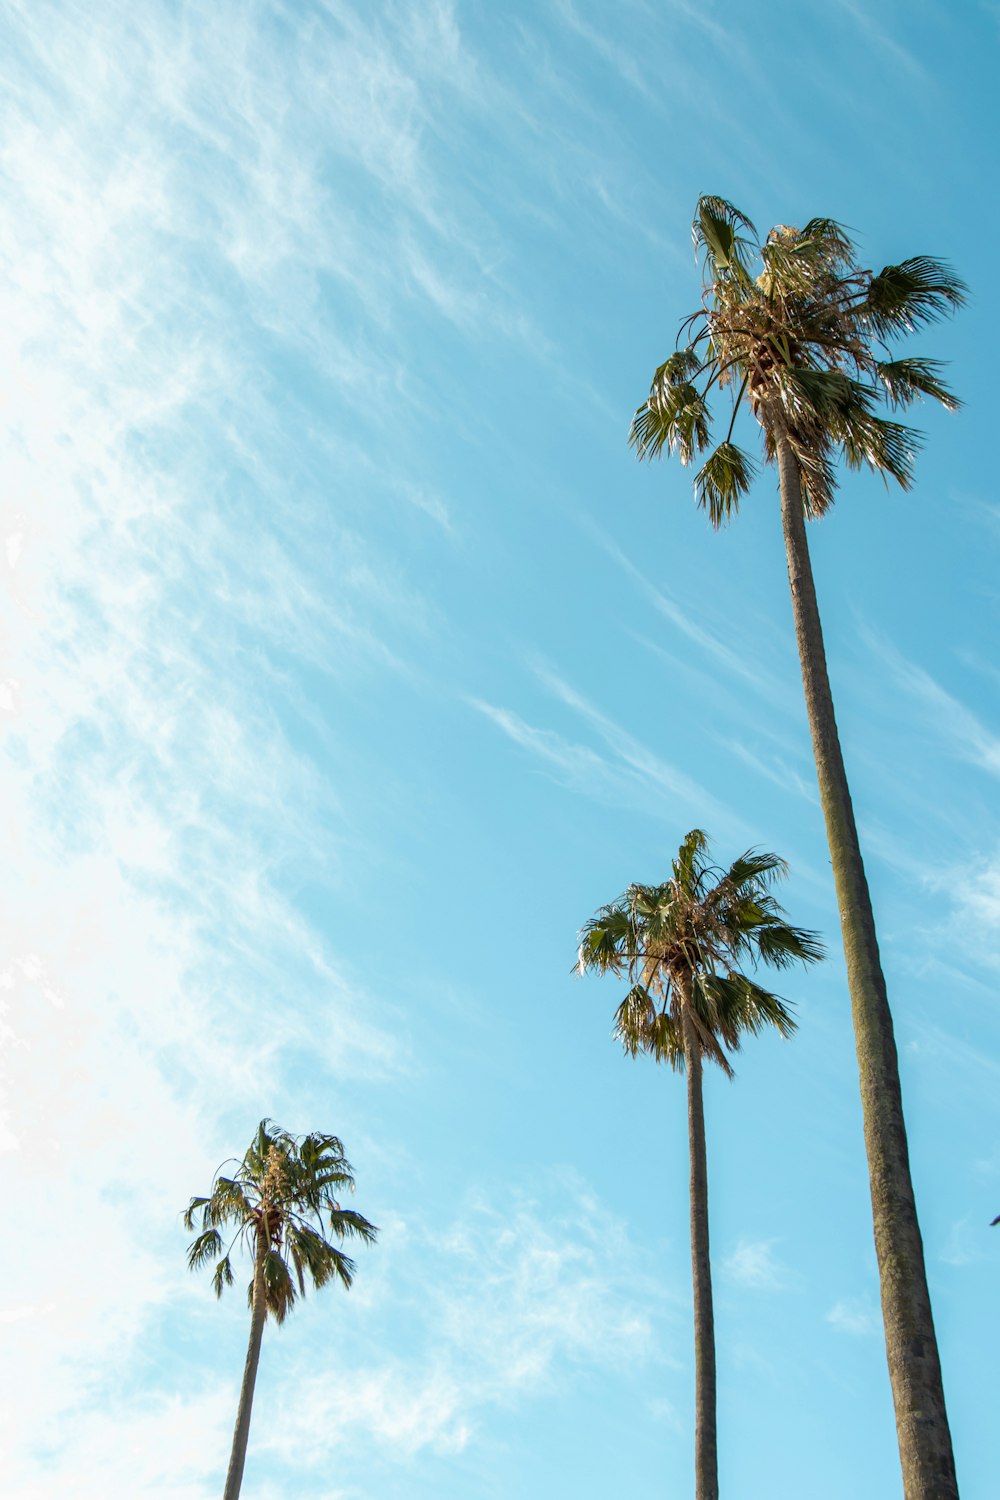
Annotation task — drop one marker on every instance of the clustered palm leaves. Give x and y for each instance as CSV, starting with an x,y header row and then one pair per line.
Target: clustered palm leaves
x,y
806,344
282,1206
276,1202
680,943
683,946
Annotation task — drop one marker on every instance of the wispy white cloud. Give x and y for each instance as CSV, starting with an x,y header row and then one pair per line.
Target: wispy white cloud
x,y
976,1066
776,770
662,1410
624,60
857,1316
960,934
754,1263
634,66
520,1300
578,767
978,896
967,1242
637,757
633,776
687,621
170,562
881,37
966,735
163,1447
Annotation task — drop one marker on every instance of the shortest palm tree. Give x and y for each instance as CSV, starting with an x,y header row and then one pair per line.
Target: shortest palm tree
x,y
283,1188
681,945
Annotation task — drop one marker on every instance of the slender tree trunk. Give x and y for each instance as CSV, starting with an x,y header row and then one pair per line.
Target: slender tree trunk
x,y
234,1478
706,1463
911,1347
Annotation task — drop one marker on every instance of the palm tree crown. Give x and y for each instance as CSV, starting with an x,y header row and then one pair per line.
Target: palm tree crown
x,y
807,342
680,945
281,1202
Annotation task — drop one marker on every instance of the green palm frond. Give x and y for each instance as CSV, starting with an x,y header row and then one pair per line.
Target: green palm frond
x,y
716,231
714,1035
279,1288
674,417
748,1008
189,1212
297,1258
795,260
819,395
901,299
722,481
755,869
781,945
827,243
664,1042
228,1204
650,431
634,1019
331,1177
346,1224
222,1276
842,411
323,1153
878,444
323,1261
203,1249
311,1251
603,940
818,478
688,862
643,1026
905,380
682,366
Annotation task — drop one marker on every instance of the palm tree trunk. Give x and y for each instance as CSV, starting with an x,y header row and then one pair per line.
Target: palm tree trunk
x,y
911,1347
706,1463
234,1478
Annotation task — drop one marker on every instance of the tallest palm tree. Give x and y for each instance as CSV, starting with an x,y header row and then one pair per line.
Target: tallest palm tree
x,y
805,343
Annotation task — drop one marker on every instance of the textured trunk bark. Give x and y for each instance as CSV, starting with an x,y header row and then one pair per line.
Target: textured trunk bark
x,y
234,1478
911,1347
706,1463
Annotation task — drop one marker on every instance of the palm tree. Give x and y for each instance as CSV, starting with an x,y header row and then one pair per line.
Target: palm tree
x,y
679,945
283,1188
807,342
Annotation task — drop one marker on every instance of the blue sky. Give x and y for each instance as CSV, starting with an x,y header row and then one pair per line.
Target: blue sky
x,y
350,662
